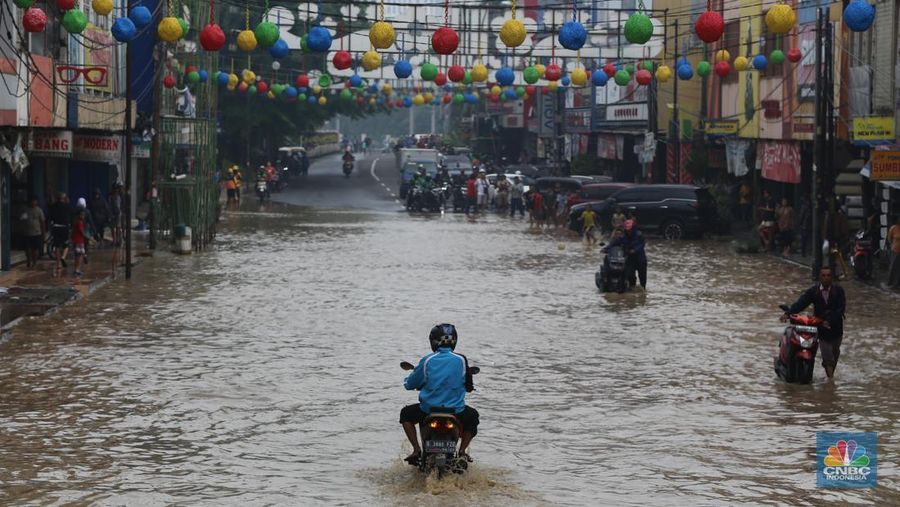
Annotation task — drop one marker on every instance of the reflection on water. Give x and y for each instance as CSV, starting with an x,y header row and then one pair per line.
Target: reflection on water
x,y
266,371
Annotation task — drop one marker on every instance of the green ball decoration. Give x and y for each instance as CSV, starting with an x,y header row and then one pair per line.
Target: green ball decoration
x,y
277,89
622,77
467,80
647,65
325,81
251,90
630,69
24,4
74,21
301,97
458,98
704,68
184,27
638,28
193,77
346,94
304,47
266,34
503,97
520,91
776,57
429,71
531,75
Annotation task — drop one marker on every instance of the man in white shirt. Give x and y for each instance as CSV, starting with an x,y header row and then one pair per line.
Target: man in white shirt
x,y
481,187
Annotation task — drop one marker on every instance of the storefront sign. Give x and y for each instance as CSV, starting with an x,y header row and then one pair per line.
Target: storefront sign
x,y
98,148
578,120
780,161
626,112
885,165
722,127
606,146
872,130
547,116
50,143
804,128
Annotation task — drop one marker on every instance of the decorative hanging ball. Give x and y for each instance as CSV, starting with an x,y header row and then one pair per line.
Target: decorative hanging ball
x,y
638,28
232,80
324,81
387,89
630,69
741,63
446,99
440,79
444,41
123,29
371,101
565,81
479,73
456,73
647,65
248,76
553,72
467,78
140,15
663,73
318,39
531,75
381,35
704,68
511,93
495,90
304,47
530,90
169,29
342,60
512,33
74,21
355,80
760,62
222,78
193,77
794,55
246,40
323,100
685,72
643,77
579,76
212,38
262,88
302,81
572,35
251,90
266,34
541,69
23,4
169,81
184,26
709,26
610,69
407,102
204,76
418,100
102,7
190,68
458,98
63,5
279,50
505,76
622,77
780,18
277,89
402,69
599,78
723,55
34,20
859,15
428,96
428,71
243,87
776,57
346,94
722,69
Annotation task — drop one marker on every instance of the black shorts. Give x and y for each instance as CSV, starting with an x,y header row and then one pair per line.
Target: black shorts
x,y
34,243
60,236
468,417
231,193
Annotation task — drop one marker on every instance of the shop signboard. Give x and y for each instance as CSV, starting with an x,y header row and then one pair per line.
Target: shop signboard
x,y
722,127
98,148
885,165
873,130
50,143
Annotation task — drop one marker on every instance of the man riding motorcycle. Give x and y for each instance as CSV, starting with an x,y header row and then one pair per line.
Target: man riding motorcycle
x,y
442,379
633,243
422,180
829,303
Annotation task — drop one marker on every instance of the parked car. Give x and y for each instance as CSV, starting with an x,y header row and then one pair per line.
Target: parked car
x,y
598,192
674,211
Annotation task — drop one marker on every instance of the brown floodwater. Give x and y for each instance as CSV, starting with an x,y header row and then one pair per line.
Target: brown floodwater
x,y
265,371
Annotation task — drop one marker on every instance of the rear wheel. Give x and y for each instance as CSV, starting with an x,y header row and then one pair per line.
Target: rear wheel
x,y
673,230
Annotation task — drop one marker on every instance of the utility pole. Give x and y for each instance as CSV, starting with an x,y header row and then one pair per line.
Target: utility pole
x,y
676,122
818,151
128,152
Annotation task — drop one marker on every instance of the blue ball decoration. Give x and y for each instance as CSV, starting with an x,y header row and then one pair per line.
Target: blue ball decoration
x,y
469,98
505,76
402,69
407,102
203,76
448,87
140,16
379,101
682,61
123,29
859,15
290,92
572,35
280,49
511,94
312,99
318,39
760,62
355,80
222,78
685,72
565,81
599,78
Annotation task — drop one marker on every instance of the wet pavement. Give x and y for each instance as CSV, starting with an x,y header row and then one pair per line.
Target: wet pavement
x,y
265,371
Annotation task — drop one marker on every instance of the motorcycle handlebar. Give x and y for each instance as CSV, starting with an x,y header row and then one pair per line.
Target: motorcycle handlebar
x,y
474,370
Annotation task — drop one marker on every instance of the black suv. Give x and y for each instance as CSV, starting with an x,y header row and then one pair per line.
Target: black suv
x,y
675,211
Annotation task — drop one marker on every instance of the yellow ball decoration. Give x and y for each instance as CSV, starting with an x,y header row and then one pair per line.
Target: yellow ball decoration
x,y
232,80
317,90
495,91
553,85
372,101
512,33
248,76
741,63
102,7
780,18
371,60
418,100
541,69
479,73
231,87
246,40
271,94
322,101
387,89
663,73
723,55
381,35
429,96
578,77
169,29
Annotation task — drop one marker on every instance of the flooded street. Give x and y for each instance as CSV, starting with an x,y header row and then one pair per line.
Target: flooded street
x,y
265,370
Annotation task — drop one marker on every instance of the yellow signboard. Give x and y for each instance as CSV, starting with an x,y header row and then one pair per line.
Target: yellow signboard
x,y
885,165
873,130
721,127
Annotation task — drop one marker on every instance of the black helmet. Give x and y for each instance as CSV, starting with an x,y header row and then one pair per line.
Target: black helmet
x,y
443,335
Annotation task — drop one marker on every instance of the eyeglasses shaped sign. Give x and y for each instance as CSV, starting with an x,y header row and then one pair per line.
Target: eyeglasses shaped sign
x,y
94,75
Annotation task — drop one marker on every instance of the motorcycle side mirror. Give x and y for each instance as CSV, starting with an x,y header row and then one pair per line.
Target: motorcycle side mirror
x,y
407,366
784,308
474,370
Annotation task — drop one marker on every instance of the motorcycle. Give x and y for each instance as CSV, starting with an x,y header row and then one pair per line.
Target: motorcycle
x,y
611,276
439,434
348,168
797,348
460,200
262,190
861,260
434,199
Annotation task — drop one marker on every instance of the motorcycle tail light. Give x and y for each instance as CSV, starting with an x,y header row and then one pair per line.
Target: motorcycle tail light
x,y
433,424
449,425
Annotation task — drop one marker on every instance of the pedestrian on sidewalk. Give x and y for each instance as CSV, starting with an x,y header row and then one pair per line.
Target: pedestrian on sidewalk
x,y
60,224
785,214
79,238
99,209
115,213
35,228
893,246
516,192
481,187
537,209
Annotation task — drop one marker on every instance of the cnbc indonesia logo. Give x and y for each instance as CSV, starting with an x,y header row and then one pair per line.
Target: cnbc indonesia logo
x,y
846,461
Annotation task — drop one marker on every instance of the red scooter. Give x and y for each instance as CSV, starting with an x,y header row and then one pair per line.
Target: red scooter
x,y
861,260
797,348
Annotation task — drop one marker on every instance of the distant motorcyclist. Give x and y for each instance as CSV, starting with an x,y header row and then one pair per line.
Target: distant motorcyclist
x,y
442,177
422,180
829,303
442,379
636,258
348,157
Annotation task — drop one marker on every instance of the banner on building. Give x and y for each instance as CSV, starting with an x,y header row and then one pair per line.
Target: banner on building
x,y
546,116
722,127
606,146
98,148
779,161
873,130
885,165
50,143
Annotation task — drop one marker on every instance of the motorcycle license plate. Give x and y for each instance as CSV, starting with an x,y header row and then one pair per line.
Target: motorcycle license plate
x,y
440,446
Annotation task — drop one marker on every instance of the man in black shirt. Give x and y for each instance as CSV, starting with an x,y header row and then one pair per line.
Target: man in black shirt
x,y
829,303
60,214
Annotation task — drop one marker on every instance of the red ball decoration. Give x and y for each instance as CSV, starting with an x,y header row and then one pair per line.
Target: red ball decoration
x,y
65,5
243,87
456,73
794,55
440,79
709,26
444,41
545,90
398,103
262,87
34,20
609,69
530,90
359,99
169,81
302,81
553,72
722,69
447,99
342,60
494,98
643,77
212,38
189,69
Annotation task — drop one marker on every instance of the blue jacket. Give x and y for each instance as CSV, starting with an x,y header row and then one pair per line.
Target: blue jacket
x,y
442,380
635,242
